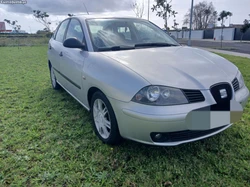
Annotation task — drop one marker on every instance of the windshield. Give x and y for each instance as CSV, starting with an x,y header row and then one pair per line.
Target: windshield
x,y
125,34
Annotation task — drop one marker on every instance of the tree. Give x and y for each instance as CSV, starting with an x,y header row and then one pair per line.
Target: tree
x,y
230,15
175,27
138,8
244,28
13,24
222,17
42,17
164,9
204,14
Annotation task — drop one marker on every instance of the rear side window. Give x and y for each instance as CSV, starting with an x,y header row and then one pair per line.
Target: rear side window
x,y
61,31
75,30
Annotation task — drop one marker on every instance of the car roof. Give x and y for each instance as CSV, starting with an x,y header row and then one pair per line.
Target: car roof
x,y
96,16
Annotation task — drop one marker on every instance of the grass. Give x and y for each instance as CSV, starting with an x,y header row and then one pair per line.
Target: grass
x,y
225,48
46,139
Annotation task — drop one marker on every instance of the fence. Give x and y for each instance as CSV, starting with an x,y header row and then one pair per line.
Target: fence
x,y
23,39
228,34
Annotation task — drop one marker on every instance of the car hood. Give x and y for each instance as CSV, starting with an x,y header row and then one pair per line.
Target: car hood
x,y
181,67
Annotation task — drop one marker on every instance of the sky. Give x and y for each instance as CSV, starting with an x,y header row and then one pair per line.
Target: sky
x,y
58,10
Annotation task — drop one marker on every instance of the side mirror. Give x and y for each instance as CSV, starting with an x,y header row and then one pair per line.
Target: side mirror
x,y
74,43
172,36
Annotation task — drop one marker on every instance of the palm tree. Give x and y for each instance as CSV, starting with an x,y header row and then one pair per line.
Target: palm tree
x,y
223,15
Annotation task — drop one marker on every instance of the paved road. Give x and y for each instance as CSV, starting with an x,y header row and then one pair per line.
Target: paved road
x,y
227,52
234,46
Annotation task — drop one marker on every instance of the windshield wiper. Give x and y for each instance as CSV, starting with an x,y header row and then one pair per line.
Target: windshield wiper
x,y
125,47
154,45
116,48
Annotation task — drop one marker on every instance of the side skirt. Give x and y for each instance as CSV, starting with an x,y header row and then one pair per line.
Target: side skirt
x,y
73,96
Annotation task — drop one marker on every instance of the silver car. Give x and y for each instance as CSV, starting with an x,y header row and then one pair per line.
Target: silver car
x,y
140,84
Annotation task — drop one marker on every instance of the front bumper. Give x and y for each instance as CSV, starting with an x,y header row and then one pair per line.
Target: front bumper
x,y
139,122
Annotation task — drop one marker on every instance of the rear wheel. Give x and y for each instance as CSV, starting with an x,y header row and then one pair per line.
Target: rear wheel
x,y
104,120
54,83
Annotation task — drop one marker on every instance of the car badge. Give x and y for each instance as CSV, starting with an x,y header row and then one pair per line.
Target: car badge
x,y
223,93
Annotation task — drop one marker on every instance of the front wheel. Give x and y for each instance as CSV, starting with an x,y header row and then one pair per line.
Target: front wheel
x,y
54,83
104,120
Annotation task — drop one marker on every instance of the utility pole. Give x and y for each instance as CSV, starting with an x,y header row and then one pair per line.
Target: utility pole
x,y
148,8
190,26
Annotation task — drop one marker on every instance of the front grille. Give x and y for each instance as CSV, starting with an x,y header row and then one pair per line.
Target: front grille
x,y
182,135
236,84
215,91
222,94
194,96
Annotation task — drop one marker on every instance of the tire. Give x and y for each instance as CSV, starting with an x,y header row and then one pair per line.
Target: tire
x,y
104,120
54,83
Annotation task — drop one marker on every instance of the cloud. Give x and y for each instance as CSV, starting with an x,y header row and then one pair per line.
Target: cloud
x,y
60,7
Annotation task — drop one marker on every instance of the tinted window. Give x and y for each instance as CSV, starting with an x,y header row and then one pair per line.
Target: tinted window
x,y
61,31
75,30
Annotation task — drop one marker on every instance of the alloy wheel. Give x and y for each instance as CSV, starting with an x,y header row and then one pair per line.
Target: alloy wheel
x,y
102,118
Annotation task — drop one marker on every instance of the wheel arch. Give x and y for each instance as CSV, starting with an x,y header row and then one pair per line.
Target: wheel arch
x,y
49,64
115,136
90,94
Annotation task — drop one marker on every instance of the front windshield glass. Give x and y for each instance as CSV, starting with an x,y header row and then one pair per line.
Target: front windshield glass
x,y
119,34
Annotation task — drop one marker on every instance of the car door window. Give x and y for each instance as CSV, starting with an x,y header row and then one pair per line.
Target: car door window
x,y
61,31
75,30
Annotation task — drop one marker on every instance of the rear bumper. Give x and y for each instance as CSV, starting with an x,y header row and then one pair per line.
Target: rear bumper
x,y
139,122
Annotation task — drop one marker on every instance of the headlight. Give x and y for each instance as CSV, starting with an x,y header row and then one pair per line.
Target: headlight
x,y
153,93
240,79
160,95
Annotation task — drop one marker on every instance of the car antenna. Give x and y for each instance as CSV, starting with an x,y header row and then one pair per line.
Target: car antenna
x,y
85,8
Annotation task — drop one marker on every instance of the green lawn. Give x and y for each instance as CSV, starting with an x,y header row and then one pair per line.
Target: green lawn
x,y
46,139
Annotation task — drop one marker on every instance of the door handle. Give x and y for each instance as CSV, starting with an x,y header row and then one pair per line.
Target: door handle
x,y
61,54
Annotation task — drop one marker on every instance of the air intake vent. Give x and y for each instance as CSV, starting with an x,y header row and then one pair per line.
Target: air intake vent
x,y
182,135
236,84
194,96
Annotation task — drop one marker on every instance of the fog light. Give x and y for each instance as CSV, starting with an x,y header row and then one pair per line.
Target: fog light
x,y
158,136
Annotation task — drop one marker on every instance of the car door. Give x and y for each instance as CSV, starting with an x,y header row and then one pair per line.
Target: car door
x,y
72,64
55,48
